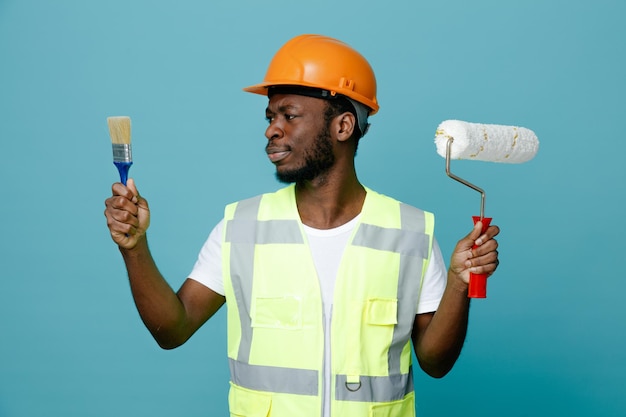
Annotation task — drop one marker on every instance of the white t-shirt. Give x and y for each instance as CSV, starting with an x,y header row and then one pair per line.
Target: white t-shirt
x,y
327,248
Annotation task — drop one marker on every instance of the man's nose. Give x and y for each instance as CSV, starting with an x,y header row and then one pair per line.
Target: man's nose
x,y
274,130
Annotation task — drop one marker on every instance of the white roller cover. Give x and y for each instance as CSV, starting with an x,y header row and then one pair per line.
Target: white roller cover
x,y
486,142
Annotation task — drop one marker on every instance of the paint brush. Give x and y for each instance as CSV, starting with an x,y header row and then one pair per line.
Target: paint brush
x,y
119,129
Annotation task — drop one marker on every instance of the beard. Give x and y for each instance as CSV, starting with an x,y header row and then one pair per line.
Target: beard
x,y
317,161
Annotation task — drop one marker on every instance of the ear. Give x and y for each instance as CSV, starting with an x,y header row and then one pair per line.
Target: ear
x,y
344,126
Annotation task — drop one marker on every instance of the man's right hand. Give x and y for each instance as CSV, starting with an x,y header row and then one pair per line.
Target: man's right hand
x,y
128,215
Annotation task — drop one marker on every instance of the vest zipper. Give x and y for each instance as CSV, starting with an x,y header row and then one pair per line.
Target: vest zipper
x,y
326,371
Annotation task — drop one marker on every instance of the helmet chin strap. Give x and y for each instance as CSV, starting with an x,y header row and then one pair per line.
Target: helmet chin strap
x,y
362,112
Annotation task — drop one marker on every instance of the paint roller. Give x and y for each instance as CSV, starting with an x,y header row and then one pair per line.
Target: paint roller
x,y
456,139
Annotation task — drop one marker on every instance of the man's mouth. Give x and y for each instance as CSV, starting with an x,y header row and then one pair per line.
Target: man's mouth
x,y
276,155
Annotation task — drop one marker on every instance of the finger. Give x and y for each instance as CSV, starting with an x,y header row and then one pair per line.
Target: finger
x,y
493,230
121,222
487,269
484,248
133,189
125,216
488,258
469,241
485,264
123,210
490,233
119,189
122,204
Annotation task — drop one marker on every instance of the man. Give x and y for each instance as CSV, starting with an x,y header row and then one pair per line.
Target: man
x,y
327,282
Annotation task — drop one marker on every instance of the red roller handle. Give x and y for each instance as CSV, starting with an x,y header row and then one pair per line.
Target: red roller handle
x,y
478,282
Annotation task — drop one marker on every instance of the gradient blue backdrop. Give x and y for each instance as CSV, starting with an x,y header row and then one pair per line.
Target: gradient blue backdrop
x,y
550,339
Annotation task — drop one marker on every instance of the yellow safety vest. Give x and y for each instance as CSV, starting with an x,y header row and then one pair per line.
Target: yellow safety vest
x,y
276,318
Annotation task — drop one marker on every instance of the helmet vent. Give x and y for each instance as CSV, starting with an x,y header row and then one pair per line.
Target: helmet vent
x,y
345,83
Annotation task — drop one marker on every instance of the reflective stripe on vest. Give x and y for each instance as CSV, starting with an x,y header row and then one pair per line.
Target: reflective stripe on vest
x,y
274,379
244,231
376,388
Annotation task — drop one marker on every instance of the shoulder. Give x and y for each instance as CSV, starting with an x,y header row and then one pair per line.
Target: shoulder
x,y
251,205
385,210
282,192
383,199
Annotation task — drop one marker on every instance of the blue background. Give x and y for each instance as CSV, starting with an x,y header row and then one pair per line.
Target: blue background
x,y
549,340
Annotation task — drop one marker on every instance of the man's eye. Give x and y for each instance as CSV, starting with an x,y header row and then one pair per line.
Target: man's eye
x,y
270,119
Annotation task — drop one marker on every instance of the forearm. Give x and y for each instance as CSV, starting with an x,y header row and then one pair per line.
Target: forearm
x,y
438,348
159,307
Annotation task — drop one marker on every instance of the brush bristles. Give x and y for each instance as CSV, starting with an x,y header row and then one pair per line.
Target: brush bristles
x,y
119,129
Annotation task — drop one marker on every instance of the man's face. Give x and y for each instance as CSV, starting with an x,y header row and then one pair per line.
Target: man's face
x,y
299,142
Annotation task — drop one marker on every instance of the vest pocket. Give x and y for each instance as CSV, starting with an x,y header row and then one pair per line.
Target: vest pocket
x,y
277,313
248,403
400,408
381,311
370,347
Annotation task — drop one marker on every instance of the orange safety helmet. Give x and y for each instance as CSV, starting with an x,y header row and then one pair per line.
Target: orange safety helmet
x,y
321,62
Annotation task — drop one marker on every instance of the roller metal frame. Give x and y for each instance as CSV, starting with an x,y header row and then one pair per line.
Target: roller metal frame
x,y
462,181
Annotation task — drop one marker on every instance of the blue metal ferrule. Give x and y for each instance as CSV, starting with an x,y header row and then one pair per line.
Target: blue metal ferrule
x,y
123,168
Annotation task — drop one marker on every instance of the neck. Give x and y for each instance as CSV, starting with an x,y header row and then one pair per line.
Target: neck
x,y
330,201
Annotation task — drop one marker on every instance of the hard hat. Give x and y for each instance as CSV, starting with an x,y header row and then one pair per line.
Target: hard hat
x,y
321,62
